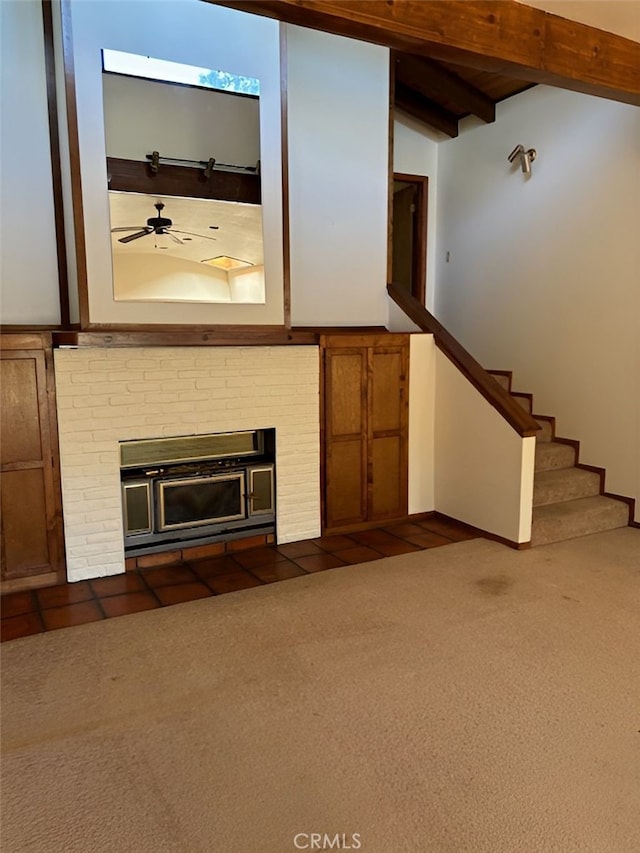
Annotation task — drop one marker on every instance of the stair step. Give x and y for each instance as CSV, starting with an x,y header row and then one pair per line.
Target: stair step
x,y
567,484
546,431
503,379
570,519
552,455
523,400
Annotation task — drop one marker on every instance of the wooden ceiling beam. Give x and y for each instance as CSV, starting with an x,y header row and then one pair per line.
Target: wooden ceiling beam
x,y
501,36
432,80
424,110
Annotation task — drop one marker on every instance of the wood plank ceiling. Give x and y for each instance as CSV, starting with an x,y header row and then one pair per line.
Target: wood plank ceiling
x,y
439,94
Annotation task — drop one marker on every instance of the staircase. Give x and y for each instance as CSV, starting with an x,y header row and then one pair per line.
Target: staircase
x,y
568,499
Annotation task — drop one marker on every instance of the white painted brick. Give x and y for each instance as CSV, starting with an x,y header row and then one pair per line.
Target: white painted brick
x,y
159,375
112,562
209,390
86,377
158,397
104,363
140,363
102,513
179,385
211,382
126,376
120,400
143,387
192,396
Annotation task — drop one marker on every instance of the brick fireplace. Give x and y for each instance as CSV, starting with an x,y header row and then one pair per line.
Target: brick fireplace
x,y
109,395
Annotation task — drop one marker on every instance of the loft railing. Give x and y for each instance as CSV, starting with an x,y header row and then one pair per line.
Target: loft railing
x,y
522,422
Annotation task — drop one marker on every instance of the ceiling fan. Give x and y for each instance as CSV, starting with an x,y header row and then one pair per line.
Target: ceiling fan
x,y
157,225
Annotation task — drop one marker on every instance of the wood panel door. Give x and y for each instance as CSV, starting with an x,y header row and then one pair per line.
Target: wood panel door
x,y
346,397
365,426
31,541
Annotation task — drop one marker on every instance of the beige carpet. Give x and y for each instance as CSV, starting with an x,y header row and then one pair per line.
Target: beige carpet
x,y
467,698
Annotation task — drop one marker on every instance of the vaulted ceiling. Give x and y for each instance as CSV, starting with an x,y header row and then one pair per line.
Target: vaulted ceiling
x,y
454,58
439,94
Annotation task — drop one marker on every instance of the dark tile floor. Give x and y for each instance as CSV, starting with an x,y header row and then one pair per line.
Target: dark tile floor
x,y
62,606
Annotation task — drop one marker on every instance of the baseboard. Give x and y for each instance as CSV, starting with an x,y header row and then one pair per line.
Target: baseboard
x,y
371,525
485,534
631,503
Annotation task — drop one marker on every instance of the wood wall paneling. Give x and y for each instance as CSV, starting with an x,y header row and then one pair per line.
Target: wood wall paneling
x,y
25,548
31,540
20,418
386,496
345,435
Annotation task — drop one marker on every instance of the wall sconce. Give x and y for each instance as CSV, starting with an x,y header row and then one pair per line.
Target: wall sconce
x,y
526,157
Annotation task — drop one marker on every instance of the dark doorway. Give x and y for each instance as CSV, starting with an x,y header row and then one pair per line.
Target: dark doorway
x,y
409,233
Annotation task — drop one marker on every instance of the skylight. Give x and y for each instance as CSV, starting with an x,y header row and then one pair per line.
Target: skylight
x,y
174,72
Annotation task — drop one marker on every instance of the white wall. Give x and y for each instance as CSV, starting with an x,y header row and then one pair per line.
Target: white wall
x,y
28,267
422,401
338,117
143,276
186,123
415,152
544,271
483,468
194,33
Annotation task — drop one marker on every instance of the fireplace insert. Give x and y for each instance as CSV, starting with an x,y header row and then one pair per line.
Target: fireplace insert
x,y
197,489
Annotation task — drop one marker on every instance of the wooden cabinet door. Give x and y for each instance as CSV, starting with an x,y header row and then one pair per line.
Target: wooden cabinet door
x,y
345,436
31,538
388,428
365,426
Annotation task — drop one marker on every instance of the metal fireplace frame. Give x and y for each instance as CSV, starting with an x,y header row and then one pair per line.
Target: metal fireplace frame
x,y
249,510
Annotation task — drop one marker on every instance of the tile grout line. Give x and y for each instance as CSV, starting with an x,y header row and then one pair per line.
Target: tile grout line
x,y
95,597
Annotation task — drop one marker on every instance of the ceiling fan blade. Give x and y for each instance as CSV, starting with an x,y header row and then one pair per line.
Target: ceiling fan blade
x,y
129,228
193,234
175,239
135,236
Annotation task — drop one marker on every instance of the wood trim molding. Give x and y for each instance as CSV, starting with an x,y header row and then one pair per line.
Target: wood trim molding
x,y
507,373
24,340
58,544
502,36
419,271
284,141
74,162
390,168
182,336
56,175
485,534
177,336
136,176
522,422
